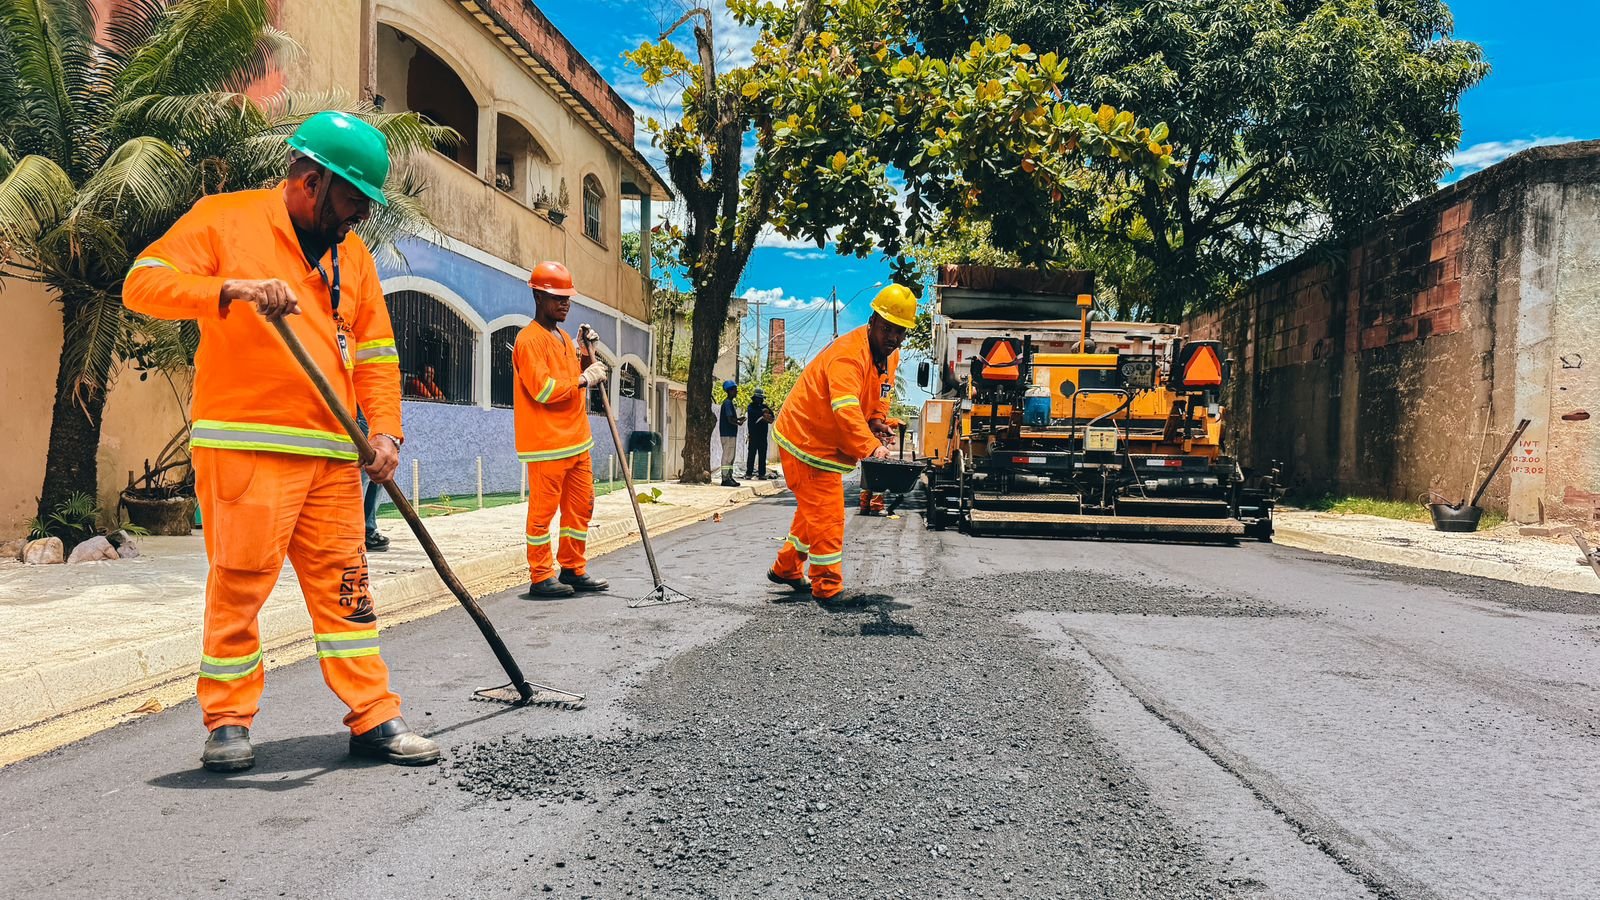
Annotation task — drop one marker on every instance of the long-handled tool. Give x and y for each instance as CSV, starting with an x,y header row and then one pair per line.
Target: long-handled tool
x,y
661,594
519,691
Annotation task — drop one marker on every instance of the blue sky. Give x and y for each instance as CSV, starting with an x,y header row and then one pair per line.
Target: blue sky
x,y
1544,89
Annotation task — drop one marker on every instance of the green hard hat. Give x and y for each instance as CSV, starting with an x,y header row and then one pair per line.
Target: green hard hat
x,y
347,147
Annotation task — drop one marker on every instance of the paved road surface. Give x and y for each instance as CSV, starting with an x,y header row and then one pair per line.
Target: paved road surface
x,y
992,718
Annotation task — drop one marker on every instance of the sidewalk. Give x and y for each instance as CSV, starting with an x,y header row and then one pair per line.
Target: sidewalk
x,y
1502,553
75,636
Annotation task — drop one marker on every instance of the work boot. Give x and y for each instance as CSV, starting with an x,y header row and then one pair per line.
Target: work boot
x,y
800,585
584,584
548,589
376,542
228,750
395,742
729,482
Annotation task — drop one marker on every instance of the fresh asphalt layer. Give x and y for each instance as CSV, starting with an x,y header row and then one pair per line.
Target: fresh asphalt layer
x,y
986,718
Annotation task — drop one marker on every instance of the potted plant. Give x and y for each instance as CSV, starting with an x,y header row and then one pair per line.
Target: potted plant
x,y
542,200
162,501
558,210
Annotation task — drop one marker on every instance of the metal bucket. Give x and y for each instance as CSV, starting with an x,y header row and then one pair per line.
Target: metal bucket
x,y
1455,518
895,476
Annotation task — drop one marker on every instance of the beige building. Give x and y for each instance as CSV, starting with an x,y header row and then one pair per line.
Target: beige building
x,y
545,164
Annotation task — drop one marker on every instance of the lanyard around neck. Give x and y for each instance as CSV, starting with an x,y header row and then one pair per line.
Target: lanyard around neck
x,y
332,283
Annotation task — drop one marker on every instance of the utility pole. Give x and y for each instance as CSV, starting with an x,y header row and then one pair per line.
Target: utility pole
x,y
833,303
757,304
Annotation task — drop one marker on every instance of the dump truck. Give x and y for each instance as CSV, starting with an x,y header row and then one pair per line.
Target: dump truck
x,y
1043,421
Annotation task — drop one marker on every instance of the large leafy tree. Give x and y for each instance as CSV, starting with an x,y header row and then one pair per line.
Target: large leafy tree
x,y
863,138
1294,121
107,135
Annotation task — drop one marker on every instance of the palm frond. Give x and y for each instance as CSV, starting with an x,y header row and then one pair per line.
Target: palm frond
x,y
145,184
93,333
202,45
48,47
34,198
406,216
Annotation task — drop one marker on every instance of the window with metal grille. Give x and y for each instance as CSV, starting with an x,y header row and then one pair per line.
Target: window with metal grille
x,y
593,197
597,399
502,372
630,383
437,349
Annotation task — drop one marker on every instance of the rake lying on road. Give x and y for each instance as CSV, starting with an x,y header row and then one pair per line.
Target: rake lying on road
x,y
660,595
519,691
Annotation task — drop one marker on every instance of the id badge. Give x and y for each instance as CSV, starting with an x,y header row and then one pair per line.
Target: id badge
x,y
344,350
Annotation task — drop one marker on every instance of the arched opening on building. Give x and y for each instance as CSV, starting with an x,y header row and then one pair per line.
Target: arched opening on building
x,y
438,349
503,371
594,198
522,166
598,392
630,383
412,78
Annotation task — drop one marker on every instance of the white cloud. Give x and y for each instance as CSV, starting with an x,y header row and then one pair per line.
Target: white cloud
x,y
805,254
774,298
1481,156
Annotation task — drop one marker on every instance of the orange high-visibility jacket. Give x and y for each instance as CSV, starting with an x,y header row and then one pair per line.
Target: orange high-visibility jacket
x,y
551,409
249,393
824,419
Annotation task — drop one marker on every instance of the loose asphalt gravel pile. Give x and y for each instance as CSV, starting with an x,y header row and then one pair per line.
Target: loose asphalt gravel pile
x,y
898,746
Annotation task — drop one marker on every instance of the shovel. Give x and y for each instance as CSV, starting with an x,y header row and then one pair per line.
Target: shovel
x,y
660,595
519,691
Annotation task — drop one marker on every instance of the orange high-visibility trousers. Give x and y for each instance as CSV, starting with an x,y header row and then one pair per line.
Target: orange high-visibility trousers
x,y
871,502
566,485
817,532
257,507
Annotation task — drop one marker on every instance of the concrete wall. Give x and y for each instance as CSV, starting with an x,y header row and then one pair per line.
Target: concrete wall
x,y
1374,371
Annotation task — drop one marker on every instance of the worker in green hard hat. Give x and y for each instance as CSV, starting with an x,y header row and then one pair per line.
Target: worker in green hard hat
x,y
275,473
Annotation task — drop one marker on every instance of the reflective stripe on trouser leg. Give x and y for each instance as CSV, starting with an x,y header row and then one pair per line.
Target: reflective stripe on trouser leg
x,y
577,508
544,499
824,505
817,529
247,500
329,554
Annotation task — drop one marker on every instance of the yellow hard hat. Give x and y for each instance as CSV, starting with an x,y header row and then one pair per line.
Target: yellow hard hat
x,y
896,304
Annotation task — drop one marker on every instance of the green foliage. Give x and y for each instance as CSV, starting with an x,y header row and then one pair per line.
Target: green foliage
x,y
852,122
104,145
1292,123
75,520
1389,509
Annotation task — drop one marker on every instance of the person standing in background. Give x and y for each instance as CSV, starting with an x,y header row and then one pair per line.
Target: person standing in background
x,y
761,417
728,422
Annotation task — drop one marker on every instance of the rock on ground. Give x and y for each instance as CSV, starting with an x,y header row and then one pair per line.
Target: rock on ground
x,y
94,549
44,552
914,743
13,549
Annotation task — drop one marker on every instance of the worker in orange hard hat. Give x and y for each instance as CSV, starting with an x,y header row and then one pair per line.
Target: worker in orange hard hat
x,y
835,415
275,473
553,438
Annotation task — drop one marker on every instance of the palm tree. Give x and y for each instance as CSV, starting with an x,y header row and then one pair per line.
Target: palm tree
x,y
107,136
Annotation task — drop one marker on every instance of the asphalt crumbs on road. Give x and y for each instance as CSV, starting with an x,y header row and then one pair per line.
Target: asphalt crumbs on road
x,y
885,747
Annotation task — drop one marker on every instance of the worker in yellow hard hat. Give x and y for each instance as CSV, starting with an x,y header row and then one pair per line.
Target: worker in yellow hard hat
x,y
835,415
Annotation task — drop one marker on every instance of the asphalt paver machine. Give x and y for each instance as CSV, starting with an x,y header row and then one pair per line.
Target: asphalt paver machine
x,y
1043,422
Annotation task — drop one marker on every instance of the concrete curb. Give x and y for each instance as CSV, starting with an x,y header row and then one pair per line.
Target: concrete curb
x,y
1578,580
37,696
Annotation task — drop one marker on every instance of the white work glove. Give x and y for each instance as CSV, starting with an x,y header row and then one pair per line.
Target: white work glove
x,y
593,375
587,335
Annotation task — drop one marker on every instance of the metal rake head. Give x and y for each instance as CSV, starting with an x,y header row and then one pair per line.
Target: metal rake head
x,y
661,596
529,694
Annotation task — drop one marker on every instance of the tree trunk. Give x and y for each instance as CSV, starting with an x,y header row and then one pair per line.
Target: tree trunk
x,y
71,462
705,339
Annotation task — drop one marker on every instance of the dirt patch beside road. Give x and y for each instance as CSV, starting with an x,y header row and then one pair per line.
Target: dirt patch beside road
x,y
898,746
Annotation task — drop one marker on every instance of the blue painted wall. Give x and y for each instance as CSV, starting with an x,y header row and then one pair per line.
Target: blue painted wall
x,y
447,439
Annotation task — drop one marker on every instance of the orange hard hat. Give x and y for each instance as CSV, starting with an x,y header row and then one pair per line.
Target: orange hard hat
x,y
552,278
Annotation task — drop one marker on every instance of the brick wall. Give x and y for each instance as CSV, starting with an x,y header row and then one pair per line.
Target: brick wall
x,y
1376,370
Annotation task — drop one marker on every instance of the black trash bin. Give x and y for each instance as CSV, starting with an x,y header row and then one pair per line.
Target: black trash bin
x,y
643,448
